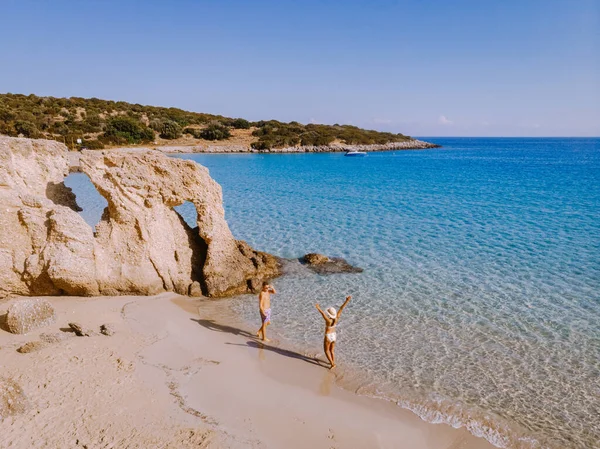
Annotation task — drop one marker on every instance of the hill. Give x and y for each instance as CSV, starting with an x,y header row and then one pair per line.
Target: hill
x,y
104,124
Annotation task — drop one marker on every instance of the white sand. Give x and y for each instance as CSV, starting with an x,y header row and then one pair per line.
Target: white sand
x,y
182,373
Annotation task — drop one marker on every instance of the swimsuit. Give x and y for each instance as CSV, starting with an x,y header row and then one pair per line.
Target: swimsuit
x,y
331,336
266,317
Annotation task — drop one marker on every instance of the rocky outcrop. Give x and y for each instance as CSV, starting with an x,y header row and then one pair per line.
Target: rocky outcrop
x,y
141,245
45,246
409,144
12,398
144,246
321,264
27,314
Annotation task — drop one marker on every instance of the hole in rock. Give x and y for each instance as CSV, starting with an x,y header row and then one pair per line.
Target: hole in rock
x,y
189,220
188,212
88,198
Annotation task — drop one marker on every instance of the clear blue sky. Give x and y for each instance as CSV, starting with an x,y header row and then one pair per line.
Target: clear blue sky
x,y
421,67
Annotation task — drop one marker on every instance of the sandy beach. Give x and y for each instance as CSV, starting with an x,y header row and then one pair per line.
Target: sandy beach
x,y
185,373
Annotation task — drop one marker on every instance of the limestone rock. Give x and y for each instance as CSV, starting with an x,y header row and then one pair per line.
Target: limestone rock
x,y
107,329
46,248
145,247
12,398
27,314
141,245
195,289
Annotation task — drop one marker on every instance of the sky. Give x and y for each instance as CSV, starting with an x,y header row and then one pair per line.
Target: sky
x,y
419,67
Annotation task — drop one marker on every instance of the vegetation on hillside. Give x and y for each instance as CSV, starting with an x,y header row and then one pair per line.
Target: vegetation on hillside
x,y
101,123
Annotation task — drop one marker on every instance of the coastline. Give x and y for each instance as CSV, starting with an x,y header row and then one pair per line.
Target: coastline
x,y
210,384
412,144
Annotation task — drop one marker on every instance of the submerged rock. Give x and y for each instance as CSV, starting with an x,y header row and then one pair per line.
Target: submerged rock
x,y
315,259
12,398
27,314
322,264
141,245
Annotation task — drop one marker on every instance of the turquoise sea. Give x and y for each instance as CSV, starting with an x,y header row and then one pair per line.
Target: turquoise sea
x,y
479,305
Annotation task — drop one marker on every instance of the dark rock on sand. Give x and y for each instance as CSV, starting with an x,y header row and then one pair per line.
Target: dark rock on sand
x,y
27,314
322,264
12,398
80,331
107,329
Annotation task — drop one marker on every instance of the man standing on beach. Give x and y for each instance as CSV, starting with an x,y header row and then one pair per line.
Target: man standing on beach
x,y
264,306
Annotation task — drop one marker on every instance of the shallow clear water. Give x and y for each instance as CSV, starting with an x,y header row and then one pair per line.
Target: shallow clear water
x,y
480,300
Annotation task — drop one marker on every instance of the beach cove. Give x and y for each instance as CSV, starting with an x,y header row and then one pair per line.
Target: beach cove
x,y
477,306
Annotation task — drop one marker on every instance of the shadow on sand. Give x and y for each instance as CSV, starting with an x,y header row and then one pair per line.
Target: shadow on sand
x,y
213,326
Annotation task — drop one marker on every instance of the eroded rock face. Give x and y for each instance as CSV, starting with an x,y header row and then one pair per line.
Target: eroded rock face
x,y
145,247
12,398
141,246
46,248
27,314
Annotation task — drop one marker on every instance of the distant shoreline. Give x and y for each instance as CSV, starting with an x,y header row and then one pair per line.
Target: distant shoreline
x,y
412,144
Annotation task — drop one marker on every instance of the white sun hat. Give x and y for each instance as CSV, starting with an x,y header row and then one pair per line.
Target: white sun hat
x,y
331,313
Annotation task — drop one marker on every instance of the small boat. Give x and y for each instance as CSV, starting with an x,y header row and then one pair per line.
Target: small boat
x,y
356,153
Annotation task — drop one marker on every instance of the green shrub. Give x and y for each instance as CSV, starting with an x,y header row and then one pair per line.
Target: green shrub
x,y
215,132
26,128
170,130
6,115
92,144
261,145
128,129
196,133
8,129
57,117
316,139
240,123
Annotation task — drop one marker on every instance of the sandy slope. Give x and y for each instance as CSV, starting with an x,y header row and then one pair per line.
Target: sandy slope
x,y
175,378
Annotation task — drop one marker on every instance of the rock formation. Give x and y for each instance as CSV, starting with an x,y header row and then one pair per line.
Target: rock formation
x,y
141,245
28,314
144,244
